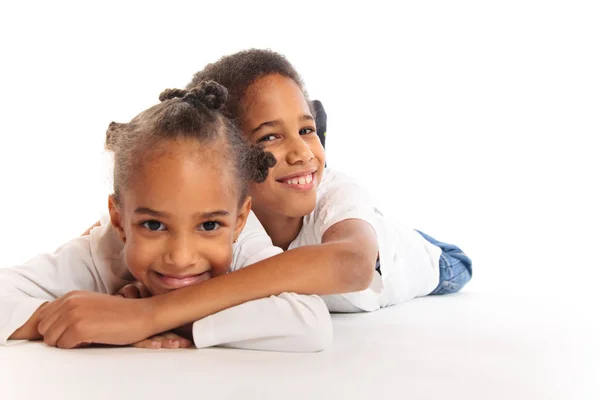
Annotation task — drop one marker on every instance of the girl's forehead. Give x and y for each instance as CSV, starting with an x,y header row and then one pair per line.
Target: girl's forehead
x,y
184,176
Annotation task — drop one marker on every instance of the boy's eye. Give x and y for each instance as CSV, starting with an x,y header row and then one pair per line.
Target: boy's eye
x,y
153,225
209,226
307,131
267,138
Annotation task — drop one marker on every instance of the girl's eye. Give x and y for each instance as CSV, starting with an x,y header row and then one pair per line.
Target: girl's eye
x,y
153,225
267,138
209,226
307,131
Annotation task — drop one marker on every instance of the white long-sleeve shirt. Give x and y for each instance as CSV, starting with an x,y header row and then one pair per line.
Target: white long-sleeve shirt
x,y
288,322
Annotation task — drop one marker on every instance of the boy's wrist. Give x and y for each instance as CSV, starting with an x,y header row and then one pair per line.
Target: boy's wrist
x,y
156,315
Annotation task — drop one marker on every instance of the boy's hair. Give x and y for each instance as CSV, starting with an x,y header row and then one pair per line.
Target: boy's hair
x,y
194,113
239,70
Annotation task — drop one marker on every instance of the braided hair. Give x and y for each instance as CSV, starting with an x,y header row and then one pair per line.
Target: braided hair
x,y
195,113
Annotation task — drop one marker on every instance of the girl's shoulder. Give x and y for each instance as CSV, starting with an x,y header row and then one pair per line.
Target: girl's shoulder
x,y
253,244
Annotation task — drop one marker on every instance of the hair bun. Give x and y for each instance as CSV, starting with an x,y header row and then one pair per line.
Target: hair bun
x,y
168,94
210,94
260,161
113,130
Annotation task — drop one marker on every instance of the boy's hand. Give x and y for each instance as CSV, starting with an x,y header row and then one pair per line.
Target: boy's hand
x,y
80,318
167,340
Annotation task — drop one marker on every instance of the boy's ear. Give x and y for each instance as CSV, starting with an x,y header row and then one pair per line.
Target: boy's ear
x,y
115,216
242,217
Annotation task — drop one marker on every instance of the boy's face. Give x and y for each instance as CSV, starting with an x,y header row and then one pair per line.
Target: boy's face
x,y
179,217
277,116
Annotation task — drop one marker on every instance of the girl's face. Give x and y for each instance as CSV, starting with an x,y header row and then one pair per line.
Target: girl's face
x,y
179,216
276,115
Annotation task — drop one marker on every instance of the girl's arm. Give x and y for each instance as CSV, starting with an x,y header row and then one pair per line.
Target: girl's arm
x,y
288,322
25,288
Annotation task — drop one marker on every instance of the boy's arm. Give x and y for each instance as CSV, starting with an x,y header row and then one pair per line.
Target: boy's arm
x,y
343,263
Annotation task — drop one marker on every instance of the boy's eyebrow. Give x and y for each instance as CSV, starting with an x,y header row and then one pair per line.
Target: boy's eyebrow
x,y
305,117
207,214
266,123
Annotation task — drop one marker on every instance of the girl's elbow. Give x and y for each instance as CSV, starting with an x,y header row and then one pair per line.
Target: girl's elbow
x,y
317,332
319,335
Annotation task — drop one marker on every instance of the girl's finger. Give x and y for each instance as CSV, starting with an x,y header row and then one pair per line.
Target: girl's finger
x,y
48,308
48,316
149,343
142,290
129,292
69,339
54,331
170,343
183,342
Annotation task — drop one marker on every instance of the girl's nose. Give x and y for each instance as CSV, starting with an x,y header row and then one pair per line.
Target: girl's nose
x,y
181,253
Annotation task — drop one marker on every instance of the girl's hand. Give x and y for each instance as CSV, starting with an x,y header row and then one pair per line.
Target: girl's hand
x,y
134,290
167,340
80,318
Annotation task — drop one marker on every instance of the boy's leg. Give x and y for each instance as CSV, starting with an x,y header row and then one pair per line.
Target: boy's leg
x,y
455,267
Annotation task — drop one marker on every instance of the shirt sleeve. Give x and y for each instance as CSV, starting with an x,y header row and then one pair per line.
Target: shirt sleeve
x,y
24,288
288,323
253,245
342,198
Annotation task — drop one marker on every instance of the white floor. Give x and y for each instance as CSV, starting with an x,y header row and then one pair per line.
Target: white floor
x,y
466,346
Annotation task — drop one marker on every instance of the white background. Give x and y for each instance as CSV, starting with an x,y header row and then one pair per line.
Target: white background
x,y
474,121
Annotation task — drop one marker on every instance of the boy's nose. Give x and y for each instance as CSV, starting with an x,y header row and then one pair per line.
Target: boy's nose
x,y
299,152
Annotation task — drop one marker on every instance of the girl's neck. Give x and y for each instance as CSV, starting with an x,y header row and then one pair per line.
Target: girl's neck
x,y
281,229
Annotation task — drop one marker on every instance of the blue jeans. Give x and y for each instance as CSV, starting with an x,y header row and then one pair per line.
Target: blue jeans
x,y
455,267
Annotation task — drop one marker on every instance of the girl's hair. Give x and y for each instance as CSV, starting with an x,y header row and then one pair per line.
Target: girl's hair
x,y
194,113
239,70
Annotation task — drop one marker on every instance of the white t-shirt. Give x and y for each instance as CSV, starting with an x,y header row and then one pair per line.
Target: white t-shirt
x,y
409,264
288,322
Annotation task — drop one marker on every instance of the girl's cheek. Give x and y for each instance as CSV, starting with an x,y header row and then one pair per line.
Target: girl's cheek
x,y
138,258
222,258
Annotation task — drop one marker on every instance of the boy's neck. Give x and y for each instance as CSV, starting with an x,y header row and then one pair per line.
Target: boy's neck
x,y
281,229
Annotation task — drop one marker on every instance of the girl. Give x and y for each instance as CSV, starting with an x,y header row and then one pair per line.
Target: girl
x,y
337,244
177,218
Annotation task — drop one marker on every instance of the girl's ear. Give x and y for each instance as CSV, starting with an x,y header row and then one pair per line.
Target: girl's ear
x,y
115,216
242,217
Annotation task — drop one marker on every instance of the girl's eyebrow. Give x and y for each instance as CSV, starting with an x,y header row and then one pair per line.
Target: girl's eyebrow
x,y
149,211
207,214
